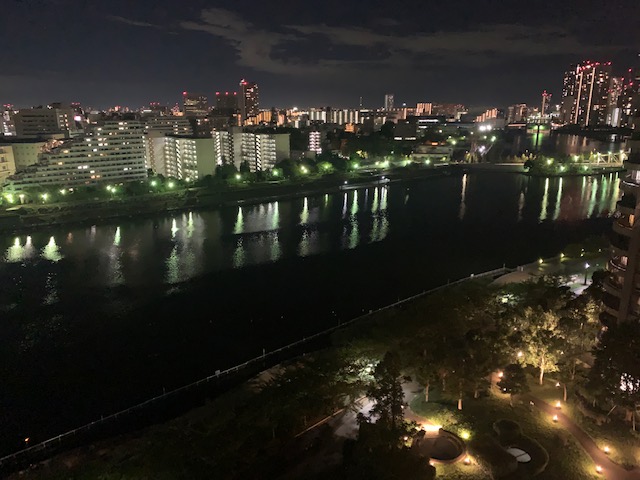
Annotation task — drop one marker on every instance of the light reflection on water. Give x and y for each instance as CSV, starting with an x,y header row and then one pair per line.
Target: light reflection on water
x,y
179,247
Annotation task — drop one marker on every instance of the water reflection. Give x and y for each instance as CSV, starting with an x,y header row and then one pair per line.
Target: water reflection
x,y
51,251
304,216
545,201
239,226
204,241
556,212
463,206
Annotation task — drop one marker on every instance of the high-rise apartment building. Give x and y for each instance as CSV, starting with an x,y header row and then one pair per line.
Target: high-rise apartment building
x,y
388,102
261,151
114,152
156,128
189,158
315,142
450,110
545,105
195,104
248,102
584,93
614,102
226,103
622,286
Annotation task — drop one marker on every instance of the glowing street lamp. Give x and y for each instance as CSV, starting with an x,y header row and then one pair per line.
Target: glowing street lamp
x,y
171,184
154,183
586,272
44,197
238,176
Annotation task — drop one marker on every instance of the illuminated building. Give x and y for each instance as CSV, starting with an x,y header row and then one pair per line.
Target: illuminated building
x,y
450,110
315,142
155,130
248,103
388,102
614,101
487,115
622,286
189,158
195,104
545,104
25,151
7,163
585,92
7,127
114,152
424,109
45,122
517,113
261,151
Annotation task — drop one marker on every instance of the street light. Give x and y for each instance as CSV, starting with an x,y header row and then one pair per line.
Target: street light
x,y
586,271
171,184
154,183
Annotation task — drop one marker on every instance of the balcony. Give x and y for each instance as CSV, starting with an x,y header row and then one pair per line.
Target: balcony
x,y
620,243
627,204
621,226
613,285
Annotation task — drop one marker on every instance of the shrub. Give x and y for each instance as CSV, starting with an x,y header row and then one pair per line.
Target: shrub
x,y
493,457
508,431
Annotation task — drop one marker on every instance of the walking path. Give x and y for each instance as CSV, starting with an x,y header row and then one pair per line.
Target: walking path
x,y
610,470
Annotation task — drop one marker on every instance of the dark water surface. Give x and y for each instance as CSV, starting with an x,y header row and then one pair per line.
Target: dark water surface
x,y
95,319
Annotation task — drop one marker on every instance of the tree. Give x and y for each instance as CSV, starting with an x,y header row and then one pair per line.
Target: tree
x,y
616,369
226,171
542,345
386,393
244,167
513,381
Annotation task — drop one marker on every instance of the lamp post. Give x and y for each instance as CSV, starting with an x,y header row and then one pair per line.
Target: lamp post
x,y
586,271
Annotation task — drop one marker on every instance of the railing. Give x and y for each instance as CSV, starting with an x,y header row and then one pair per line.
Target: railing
x,y
37,452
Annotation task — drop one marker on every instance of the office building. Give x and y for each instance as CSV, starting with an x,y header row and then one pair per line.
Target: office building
x,y
7,127
388,102
614,102
189,158
195,105
585,92
113,153
622,286
517,113
248,103
45,123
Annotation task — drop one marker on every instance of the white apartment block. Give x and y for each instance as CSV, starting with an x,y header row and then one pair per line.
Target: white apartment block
x,y
114,153
155,130
315,145
260,150
7,163
189,158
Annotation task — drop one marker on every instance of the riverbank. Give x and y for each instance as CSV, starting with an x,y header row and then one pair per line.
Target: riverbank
x,y
33,216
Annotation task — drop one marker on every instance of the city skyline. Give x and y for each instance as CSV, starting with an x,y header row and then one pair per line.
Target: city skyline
x,y
480,56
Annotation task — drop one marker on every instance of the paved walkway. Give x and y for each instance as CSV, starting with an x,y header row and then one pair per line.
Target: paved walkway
x,y
610,470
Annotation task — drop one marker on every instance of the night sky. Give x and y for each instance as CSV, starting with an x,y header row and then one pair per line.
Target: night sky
x,y
306,53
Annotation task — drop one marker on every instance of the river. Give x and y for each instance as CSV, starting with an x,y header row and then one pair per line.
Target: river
x,y
96,318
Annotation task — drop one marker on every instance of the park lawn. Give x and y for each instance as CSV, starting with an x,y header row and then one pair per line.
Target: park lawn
x,y
617,435
479,415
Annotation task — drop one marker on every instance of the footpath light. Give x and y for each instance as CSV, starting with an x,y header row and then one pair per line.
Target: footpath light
x,y
45,196
154,183
500,374
238,176
467,460
558,404
63,192
598,469
171,184
606,450
520,354
586,272
555,419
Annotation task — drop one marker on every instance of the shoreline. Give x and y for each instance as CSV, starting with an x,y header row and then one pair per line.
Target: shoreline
x,y
193,199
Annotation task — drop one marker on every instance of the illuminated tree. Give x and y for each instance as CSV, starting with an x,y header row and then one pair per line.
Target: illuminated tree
x,y
513,381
